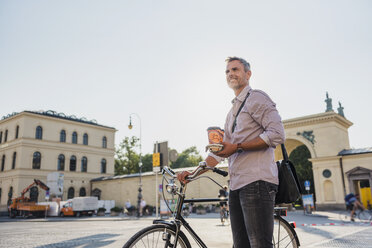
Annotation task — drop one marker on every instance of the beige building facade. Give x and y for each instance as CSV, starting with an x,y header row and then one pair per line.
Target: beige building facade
x,y
34,144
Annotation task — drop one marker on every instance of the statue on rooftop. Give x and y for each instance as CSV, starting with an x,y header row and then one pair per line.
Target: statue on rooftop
x,y
340,110
329,103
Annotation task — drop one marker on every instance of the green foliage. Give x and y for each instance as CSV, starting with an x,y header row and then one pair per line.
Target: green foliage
x,y
188,158
126,159
304,168
116,209
101,210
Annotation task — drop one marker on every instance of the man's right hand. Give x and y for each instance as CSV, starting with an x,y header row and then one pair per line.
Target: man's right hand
x,y
182,177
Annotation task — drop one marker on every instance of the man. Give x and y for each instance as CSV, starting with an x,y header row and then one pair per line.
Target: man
x,y
249,142
353,203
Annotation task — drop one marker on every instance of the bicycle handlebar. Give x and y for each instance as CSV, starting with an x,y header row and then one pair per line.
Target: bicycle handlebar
x,y
202,167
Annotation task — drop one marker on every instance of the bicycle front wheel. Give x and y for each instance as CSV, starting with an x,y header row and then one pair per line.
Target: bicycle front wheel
x,y
365,216
157,236
284,234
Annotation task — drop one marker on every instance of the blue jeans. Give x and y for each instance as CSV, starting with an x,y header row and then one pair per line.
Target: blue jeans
x,y
252,214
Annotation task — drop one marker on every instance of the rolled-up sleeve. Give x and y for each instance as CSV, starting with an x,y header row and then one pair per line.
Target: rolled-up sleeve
x,y
265,113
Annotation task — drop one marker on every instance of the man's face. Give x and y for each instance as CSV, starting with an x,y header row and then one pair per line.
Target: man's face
x,y
236,77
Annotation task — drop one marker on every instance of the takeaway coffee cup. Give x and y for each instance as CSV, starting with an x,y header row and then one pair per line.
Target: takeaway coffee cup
x,y
215,135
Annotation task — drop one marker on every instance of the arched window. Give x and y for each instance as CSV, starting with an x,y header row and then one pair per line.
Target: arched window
x,y
62,136
6,136
39,132
74,138
70,193
103,165
1,137
85,139
3,163
61,162
104,142
14,160
84,164
73,163
17,132
36,160
82,192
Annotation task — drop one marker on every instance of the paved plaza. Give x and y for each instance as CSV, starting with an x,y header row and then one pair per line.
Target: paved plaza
x,y
322,229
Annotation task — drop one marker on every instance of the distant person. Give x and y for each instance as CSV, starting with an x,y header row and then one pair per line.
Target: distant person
x,y
353,203
224,194
129,207
142,206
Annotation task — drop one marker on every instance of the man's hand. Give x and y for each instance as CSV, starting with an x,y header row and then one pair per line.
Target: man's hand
x,y
228,150
181,177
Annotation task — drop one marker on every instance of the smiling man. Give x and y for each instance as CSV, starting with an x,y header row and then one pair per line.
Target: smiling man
x,y
253,129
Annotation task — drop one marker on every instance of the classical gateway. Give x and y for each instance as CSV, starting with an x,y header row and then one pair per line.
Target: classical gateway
x,y
35,144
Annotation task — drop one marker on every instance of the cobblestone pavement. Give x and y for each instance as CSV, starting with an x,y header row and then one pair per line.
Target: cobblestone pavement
x,y
313,231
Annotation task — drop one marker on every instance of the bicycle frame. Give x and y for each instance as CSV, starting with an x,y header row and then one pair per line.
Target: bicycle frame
x,y
180,221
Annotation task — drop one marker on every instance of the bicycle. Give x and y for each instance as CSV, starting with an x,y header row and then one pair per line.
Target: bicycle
x,y
168,234
363,215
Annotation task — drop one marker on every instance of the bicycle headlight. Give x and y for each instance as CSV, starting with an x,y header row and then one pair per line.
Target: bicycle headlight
x,y
171,188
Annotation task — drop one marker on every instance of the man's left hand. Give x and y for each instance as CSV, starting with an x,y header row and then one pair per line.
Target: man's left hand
x,y
228,150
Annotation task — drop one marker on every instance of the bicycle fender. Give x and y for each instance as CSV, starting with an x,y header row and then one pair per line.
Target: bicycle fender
x,y
172,225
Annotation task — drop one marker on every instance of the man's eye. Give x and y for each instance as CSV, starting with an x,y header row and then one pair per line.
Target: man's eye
x,y
226,72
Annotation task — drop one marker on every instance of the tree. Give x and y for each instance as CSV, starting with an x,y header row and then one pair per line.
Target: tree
x,y
304,168
188,158
126,159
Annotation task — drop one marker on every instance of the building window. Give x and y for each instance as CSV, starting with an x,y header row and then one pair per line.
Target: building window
x,y
104,142
84,164
74,138
10,195
36,161
82,192
3,163
71,193
61,162
1,137
14,160
6,136
17,132
85,139
73,163
34,194
39,132
62,136
103,165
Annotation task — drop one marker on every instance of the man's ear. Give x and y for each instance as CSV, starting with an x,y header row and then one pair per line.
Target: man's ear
x,y
249,74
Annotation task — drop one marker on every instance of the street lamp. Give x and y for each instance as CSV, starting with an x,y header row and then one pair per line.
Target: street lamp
x,y
130,126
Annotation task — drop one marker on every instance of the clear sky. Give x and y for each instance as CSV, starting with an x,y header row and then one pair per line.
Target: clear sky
x,y
164,60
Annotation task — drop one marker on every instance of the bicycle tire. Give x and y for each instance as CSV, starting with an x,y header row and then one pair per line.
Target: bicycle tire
x,y
364,216
284,234
152,236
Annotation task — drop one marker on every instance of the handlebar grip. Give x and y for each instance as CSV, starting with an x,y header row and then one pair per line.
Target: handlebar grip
x,y
221,172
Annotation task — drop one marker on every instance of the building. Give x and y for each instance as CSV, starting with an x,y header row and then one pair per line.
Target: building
x,y
34,144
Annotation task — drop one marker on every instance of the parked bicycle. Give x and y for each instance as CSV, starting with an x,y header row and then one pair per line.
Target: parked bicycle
x,y
168,234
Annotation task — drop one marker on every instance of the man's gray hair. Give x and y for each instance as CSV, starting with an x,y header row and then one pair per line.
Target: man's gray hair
x,y
247,66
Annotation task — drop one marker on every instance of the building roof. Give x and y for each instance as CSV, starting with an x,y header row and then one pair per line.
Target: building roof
x,y
55,114
347,152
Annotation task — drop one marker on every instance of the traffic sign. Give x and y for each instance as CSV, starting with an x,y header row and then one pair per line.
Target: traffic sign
x,y
156,159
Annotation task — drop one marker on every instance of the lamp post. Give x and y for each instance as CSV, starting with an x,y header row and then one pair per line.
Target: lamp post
x,y
140,163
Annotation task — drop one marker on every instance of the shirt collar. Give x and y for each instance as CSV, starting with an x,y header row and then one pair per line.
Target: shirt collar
x,y
242,94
